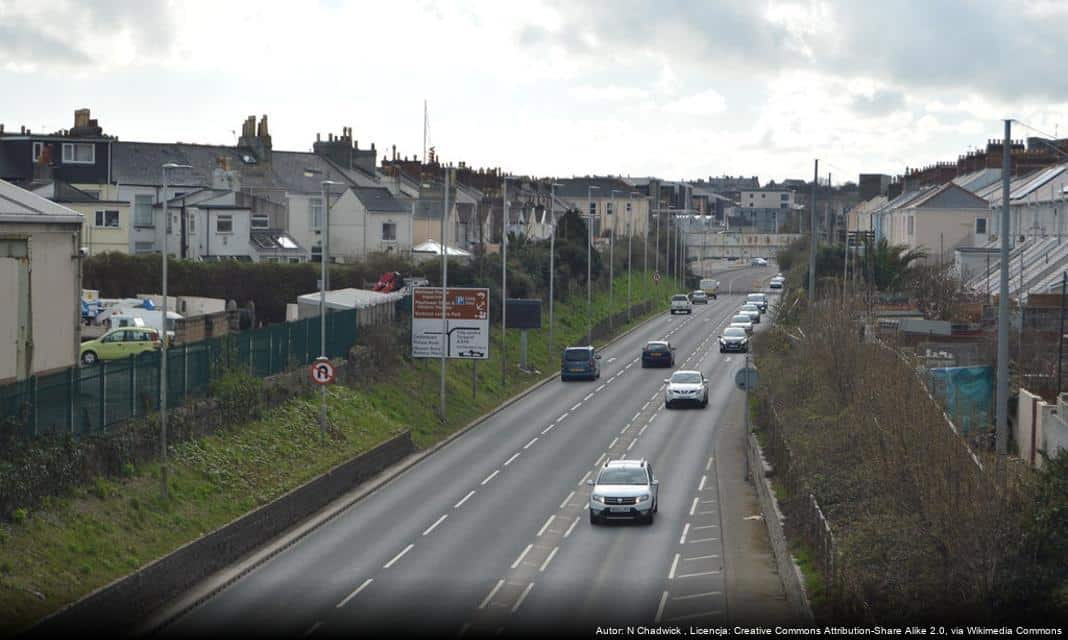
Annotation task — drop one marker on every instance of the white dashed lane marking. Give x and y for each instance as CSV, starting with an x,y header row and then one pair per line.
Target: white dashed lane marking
x,y
464,499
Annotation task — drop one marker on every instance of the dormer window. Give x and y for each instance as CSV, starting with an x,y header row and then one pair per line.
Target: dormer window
x,y
79,153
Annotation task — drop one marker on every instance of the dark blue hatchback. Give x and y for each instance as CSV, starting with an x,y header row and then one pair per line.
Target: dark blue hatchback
x,y
580,363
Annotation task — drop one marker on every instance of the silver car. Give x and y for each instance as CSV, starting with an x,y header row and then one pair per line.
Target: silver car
x,y
752,310
686,387
624,490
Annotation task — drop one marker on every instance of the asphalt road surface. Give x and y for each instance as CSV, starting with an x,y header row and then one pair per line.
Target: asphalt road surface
x,y
491,533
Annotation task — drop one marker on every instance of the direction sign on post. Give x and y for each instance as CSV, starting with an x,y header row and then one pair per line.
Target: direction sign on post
x,y
746,379
321,371
467,323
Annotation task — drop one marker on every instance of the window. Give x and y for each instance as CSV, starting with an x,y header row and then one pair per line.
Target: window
x,y
38,147
144,247
910,225
980,225
628,207
192,224
785,197
143,211
784,206
763,195
260,221
271,259
294,261
608,208
317,253
79,153
593,208
315,213
117,336
389,231
224,224
107,219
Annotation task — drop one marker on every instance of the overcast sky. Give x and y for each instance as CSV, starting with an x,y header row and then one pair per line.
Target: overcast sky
x,y
674,88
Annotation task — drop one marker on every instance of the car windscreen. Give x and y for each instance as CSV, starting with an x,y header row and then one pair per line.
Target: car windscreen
x,y
623,475
734,332
740,318
679,298
755,297
577,355
656,347
686,378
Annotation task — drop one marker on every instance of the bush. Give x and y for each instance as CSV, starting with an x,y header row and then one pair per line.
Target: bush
x,y
19,515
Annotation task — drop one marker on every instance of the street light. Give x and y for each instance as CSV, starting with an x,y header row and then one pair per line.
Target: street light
x,y
164,338
504,274
612,265
323,184
589,253
630,253
552,256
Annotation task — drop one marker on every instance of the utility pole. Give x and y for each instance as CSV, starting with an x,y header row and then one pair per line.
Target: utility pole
x,y
444,293
1060,334
504,279
589,261
1002,426
630,252
812,245
552,258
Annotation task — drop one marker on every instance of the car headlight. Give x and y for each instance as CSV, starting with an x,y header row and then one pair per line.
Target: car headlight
x,y
643,497
597,498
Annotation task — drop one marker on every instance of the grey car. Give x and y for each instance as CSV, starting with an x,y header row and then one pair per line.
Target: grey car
x,y
624,490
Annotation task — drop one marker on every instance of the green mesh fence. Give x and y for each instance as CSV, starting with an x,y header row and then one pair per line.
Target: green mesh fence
x,y
86,400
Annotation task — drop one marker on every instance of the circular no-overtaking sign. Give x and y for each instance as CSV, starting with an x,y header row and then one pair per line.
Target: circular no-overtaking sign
x,y
322,372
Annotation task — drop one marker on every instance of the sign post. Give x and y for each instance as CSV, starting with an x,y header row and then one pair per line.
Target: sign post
x,y
746,379
465,334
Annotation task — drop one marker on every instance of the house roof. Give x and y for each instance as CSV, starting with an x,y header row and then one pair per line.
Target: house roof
x,y
351,298
947,196
379,200
434,247
578,187
977,180
19,205
1040,180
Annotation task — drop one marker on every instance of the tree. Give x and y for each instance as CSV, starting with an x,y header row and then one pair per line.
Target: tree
x,y
888,266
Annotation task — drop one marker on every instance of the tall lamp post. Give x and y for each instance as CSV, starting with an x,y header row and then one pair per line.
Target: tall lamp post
x,y
504,274
589,269
630,252
323,256
552,256
612,265
164,338
444,292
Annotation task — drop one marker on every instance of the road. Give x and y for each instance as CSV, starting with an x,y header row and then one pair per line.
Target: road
x,y
491,534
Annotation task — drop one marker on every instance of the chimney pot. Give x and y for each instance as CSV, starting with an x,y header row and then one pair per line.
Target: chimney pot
x,y
318,137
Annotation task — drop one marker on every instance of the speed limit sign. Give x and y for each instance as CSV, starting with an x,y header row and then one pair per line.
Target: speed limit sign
x,y
322,372
656,277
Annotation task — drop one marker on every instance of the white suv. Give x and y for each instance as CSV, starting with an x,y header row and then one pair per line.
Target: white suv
x,y
681,304
624,489
686,387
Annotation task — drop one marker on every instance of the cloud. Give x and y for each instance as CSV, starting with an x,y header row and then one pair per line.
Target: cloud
x,y
36,35
23,45
707,103
608,94
879,103
904,43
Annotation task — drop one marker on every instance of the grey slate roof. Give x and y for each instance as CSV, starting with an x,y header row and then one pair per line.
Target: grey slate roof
x,y
578,187
141,162
379,200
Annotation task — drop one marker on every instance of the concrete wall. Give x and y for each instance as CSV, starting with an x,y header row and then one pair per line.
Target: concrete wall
x,y
793,581
100,239
105,611
945,228
1040,426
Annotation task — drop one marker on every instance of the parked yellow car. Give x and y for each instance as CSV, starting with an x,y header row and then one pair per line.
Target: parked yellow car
x,y
118,343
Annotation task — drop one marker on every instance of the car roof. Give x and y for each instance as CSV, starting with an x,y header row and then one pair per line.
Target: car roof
x,y
744,317
584,348
656,342
686,371
625,463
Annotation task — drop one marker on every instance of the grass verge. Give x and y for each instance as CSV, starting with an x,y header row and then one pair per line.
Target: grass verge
x,y
74,544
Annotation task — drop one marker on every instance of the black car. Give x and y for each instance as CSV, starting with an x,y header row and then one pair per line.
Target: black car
x,y
658,353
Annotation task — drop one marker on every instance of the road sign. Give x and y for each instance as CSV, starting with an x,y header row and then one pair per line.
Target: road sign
x,y
321,371
466,323
746,379
656,277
